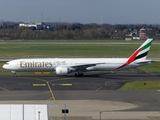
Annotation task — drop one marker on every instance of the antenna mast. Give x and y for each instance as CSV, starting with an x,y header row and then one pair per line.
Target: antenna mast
x,y
101,19
41,17
28,18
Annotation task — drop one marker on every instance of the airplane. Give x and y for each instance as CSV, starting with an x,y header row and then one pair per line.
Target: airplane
x,y
64,66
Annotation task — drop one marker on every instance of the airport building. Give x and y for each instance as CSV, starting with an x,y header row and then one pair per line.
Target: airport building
x,y
142,33
37,25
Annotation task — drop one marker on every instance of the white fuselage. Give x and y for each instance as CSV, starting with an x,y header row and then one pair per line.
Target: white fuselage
x,y
50,64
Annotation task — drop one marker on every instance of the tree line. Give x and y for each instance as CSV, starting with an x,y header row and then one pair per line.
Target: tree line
x,y
76,31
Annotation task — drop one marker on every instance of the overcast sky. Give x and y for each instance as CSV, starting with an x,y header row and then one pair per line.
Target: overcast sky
x,y
82,11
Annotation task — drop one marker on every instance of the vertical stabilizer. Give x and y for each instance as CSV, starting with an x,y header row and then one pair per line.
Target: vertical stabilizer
x,y
140,54
143,50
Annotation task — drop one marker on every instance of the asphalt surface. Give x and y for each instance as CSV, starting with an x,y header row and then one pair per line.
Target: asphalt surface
x,y
92,81
94,86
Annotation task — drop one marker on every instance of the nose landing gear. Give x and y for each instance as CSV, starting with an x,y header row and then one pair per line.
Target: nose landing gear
x,y
14,73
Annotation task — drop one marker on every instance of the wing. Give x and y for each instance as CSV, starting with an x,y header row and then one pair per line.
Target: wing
x,y
81,66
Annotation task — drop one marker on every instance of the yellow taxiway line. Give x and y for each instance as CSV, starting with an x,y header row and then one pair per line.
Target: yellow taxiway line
x,y
39,85
51,92
65,85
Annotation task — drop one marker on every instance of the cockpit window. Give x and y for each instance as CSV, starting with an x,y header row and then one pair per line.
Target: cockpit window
x,y
7,63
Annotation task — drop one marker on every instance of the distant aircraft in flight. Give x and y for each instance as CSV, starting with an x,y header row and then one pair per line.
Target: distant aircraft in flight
x,y
64,66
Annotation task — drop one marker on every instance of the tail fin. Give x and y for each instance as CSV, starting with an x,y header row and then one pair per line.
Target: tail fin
x,y
140,54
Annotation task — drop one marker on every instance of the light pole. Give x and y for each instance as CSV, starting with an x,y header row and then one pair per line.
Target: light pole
x,y
65,113
100,114
23,111
39,115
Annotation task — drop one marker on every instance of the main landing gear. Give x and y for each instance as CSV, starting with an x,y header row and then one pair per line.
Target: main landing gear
x,y
79,74
14,73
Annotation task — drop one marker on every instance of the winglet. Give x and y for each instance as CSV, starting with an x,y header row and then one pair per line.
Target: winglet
x,y
140,53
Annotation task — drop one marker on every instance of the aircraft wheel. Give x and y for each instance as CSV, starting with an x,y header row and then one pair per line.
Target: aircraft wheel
x,y
79,75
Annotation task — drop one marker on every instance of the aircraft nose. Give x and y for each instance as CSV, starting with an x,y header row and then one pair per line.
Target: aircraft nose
x,y
5,66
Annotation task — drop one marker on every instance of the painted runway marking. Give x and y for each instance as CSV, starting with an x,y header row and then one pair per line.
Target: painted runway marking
x,y
50,98
39,85
51,92
4,89
158,90
36,79
58,79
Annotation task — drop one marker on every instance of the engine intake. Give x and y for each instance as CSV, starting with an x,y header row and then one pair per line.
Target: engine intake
x,y
62,71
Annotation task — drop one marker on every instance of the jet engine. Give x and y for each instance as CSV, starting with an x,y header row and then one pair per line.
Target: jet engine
x,y
62,70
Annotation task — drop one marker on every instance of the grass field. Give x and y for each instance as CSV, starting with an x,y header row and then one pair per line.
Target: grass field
x,y
141,85
154,67
78,50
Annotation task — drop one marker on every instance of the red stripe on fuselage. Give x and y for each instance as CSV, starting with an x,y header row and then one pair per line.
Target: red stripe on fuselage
x,y
131,59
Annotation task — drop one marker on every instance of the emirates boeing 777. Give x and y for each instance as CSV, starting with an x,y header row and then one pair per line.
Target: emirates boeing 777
x,y
64,66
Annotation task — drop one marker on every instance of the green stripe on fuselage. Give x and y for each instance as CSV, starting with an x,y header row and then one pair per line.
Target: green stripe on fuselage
x,y
146,46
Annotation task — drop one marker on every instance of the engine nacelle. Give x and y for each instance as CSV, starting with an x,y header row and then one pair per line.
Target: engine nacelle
x,y
62,71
